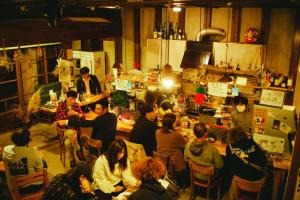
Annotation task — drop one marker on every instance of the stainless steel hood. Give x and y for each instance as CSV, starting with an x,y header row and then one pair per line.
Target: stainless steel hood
x,y
199,52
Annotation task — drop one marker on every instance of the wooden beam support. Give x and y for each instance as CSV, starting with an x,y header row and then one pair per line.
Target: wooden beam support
x,y
235,24
207,17
181,19
137,28
158,16
265,25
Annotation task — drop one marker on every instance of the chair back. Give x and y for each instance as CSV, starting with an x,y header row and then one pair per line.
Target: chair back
x,y
249,186
219,132
168,160
96,145
21,181
206,170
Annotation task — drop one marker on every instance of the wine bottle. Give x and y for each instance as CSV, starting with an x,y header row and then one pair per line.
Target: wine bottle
x,y
171,31
160,32
165,32
155,32
176,32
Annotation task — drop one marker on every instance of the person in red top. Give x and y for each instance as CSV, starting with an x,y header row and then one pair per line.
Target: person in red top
x,y
69,109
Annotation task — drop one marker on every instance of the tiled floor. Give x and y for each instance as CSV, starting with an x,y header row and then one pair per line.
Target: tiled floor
x,y
41,135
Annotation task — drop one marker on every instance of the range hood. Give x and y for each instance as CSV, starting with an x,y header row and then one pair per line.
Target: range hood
x,y
199,52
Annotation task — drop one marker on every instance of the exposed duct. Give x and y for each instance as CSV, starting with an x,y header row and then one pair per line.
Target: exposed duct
x,y
199,52
208,32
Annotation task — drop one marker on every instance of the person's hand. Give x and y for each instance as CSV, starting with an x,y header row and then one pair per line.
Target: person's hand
x,y
61,122
72,113
119,188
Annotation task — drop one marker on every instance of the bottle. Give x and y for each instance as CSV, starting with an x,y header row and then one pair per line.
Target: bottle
x,y
160,32
283,83
155,32
238,67
183,35
176,32
277,80
165,32
171,31
272,77
179,34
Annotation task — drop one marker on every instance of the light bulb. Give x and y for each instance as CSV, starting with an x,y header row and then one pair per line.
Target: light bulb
x,y
168,83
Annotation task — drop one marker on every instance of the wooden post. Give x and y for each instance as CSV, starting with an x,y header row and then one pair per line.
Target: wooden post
x,y
137,31
235,24
19,82
45,65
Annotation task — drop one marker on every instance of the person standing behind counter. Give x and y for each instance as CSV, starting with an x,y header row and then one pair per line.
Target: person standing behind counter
x,y
88,83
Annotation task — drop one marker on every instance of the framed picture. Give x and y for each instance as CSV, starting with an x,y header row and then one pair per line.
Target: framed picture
x,y
272,98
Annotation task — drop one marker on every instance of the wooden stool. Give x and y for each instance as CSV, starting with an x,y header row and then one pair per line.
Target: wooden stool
x,y
248,186
94,144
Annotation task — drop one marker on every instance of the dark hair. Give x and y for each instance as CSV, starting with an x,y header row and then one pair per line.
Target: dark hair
x,y
148,169
103,102
240,100
167,122
150,98
200,129
82,168
146,108
112,155
72,93
84,70
21,138
236,134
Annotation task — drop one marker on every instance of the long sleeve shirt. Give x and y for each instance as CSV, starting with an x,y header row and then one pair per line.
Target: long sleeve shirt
x,y
62,113
105,180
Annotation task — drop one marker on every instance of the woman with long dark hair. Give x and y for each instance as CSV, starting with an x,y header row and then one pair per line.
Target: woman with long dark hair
x,y
112,171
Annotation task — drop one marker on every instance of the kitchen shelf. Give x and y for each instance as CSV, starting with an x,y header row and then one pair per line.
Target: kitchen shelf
x,y
229,71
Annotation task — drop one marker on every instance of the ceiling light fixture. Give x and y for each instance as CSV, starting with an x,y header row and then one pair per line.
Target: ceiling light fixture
x,y
176,9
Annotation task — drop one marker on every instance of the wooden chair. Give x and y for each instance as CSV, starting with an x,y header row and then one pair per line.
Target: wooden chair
x,y
248,186
61,137
17,182
209,184
168,161
94,144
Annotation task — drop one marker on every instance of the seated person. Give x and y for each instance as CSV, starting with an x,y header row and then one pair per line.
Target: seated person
x,y
88,84
143,131
73,185
104,125
68,110
201,152
185,127
171,143
20,159
112,172
242,114
244,158
149,171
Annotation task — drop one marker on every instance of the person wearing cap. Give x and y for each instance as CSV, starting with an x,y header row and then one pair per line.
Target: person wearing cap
x,y
104,125
144,129
20,159
73,185
88,84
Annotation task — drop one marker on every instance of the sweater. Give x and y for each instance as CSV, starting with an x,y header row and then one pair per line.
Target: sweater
x,y
149,191
105,180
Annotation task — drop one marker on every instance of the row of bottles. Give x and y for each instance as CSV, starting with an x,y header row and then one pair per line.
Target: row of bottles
x,y
168,32
270,78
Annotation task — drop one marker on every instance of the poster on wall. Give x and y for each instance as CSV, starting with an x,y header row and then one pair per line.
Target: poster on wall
x,y
259,120
217,89
272,98
64,70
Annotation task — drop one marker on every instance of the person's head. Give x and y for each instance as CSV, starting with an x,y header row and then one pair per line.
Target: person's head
x,y
168,122
117,153
185,122
240,103
119,67
148,112
236,134
200,130
21,138
79,175
148,169
101,106
85,72
150,98
71,97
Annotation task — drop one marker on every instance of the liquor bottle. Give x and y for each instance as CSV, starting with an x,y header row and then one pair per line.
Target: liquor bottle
x,y
160,32
183,35
277,80
176,32
284,81
155,32
179,34
171,31
272,77
165,31
238,67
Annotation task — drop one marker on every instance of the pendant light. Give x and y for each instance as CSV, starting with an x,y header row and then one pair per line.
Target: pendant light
x,y
226,78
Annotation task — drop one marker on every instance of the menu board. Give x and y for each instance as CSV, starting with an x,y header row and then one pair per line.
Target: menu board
x,y
272,98
217,89
122,84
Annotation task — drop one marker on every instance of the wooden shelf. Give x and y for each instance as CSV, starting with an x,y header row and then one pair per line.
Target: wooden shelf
x,y
231,71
